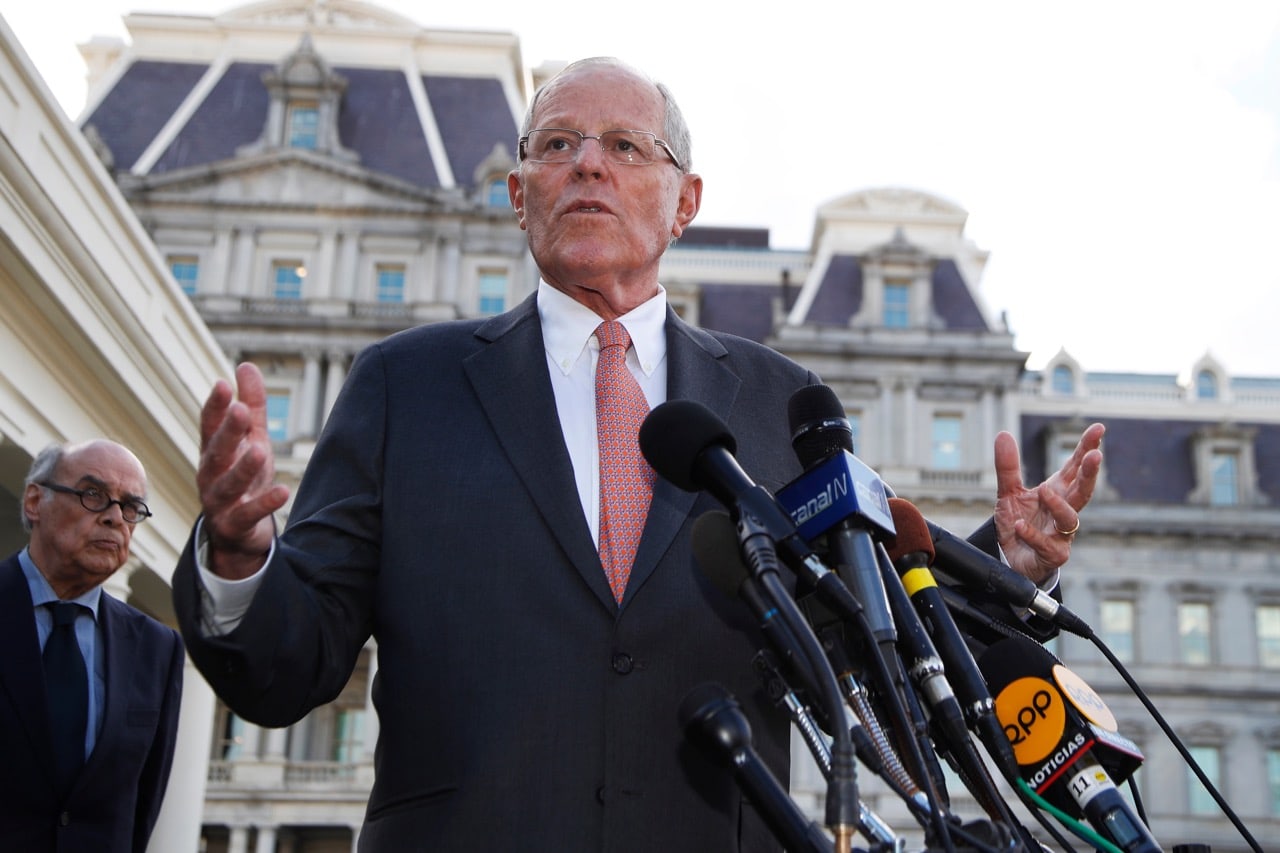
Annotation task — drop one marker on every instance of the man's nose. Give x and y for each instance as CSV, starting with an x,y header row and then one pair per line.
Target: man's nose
x,y
590,155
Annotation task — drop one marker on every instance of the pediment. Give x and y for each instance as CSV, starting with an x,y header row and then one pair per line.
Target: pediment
x,y
343,13
892,203
289,178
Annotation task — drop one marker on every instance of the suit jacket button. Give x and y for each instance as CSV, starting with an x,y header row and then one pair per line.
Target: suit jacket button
x,y
622,663
64,819
602,794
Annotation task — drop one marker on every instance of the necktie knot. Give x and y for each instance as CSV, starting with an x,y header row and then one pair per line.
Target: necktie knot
x,y
611,333
64,612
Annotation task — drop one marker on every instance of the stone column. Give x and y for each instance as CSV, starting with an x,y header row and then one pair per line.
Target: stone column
x,y
336,375
266,840
239,842
178,826
308,405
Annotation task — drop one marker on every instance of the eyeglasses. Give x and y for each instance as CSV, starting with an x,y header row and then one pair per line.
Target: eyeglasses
x,y
624,147
94,499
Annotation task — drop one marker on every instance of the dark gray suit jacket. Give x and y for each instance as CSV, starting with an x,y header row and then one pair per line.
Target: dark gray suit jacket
x,y
113,805
520,707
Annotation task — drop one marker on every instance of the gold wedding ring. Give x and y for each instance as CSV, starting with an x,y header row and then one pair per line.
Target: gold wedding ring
x,y
1071,532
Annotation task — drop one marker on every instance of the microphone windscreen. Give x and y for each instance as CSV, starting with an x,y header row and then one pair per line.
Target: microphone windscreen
x,y
675,433
819,426
911,531
715,549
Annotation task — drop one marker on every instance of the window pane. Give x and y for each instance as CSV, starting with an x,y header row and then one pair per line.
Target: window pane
x,y
278,417
1117,628
1224,479
493,293
896,306
348,735
304,126
1194,633
1064,381
1273,780
390,284
1206,385
1269,635
233,744
1199,800
186,271
946,442
498,195
287,276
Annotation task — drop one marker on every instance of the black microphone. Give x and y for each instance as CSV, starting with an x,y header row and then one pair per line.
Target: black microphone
x,y
688,445
971,565
712,719
715,550
840,498
1064,739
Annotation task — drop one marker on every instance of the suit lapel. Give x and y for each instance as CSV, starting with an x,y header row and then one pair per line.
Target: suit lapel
x,y
510,379
21,673
694,372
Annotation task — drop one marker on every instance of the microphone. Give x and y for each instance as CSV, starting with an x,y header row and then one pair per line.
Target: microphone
x,y
971,565
689,446
841,498
1064,739
712,718
715,550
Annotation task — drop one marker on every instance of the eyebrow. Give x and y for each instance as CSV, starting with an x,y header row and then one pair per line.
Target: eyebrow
x,y
94,481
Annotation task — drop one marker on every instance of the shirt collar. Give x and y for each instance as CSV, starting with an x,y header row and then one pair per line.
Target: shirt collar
x,y
42,593
568,327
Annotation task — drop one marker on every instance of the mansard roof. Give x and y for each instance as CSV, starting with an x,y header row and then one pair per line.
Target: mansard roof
x,y
427,114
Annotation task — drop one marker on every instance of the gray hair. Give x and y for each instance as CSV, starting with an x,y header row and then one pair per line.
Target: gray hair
x,y
42,469
674,129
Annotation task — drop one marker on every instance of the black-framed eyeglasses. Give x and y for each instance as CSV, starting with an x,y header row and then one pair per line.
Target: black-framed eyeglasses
x,y
132,510
625,147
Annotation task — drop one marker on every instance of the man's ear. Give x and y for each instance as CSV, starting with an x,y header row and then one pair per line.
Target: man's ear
x,y
688,204
515,191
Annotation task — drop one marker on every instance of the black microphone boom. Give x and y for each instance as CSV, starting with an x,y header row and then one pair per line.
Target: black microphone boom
x,y
712,719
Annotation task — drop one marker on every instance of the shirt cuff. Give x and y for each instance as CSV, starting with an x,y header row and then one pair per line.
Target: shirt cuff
x,y
223,602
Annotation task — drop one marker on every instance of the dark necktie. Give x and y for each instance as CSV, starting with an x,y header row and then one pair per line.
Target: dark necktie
x,y
67,685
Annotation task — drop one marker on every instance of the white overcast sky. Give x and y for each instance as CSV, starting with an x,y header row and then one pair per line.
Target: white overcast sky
x,y
1119,160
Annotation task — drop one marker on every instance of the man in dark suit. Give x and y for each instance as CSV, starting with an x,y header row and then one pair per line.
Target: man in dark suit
x,y
458,509
89,701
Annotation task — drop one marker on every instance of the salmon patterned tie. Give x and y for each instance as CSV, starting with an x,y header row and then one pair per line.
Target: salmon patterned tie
x,y
626,480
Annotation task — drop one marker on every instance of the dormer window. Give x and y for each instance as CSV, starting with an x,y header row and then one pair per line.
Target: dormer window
x,y
1206,385
306,98
304,125
897,304
1226,474
1064,380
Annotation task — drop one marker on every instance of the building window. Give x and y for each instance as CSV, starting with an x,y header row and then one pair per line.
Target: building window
x,y
287,277
348,735
231,740
946,454
1117,628
498,195
897,306
278,417
1199,800
390,283
1064,380
1268,616
186,272
1206,385
1273,780
492,296
1224,478
1194,633
304,126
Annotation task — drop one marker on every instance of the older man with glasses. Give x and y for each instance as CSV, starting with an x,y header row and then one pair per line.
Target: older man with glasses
x,y
89,686
478,504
